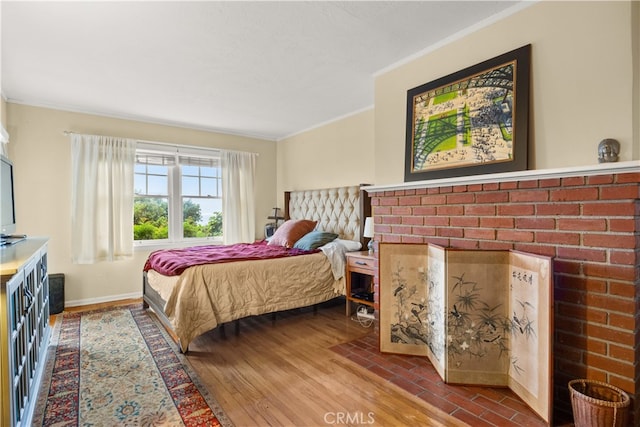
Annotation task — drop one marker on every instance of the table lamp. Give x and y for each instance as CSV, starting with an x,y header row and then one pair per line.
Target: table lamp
x,y
368,232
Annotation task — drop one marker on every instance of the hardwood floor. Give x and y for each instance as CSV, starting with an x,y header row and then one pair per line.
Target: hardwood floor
x,y
285,374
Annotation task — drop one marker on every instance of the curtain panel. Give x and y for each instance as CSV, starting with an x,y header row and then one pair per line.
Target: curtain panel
x,y
4,141
102,198
238,197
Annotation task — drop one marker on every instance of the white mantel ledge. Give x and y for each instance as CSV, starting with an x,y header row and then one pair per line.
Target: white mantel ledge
x,y
590,170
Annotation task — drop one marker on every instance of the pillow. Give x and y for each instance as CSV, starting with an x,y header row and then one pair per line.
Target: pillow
x,y
315,239
291,231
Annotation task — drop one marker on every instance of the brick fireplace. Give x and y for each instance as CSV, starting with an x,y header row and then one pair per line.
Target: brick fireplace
x,y
588,219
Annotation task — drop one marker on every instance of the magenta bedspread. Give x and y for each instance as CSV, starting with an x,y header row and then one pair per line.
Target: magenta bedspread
x,y
172,262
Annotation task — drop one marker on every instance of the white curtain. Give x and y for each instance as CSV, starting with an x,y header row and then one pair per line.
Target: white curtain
x,y
238,197
4,141
102,198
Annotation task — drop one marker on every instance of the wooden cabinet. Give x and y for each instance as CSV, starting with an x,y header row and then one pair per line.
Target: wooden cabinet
x,y
360,271
24,327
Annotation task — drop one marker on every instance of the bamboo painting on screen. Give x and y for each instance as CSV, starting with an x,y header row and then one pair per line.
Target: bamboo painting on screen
x,y
481,317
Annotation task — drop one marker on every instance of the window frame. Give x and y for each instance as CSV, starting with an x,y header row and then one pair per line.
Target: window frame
x,y
174,197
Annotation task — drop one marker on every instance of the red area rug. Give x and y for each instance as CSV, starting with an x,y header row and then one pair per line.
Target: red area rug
x,y
118,366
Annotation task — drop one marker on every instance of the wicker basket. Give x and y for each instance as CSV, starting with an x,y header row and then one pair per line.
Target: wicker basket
x,y
598,404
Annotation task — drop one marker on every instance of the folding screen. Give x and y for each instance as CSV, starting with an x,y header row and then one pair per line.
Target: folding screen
x,y
481,317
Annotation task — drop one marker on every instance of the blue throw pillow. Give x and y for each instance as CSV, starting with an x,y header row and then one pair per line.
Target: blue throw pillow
x,y
315,239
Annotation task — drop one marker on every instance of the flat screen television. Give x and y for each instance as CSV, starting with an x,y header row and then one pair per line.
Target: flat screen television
x,y
7,204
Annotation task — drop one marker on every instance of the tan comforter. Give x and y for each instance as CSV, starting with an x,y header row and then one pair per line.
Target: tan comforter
x,y
208,295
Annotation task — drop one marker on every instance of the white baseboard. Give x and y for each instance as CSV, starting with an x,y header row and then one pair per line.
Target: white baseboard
x,y
100,300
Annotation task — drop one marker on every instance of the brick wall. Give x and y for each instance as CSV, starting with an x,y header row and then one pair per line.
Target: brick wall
x,y
589,224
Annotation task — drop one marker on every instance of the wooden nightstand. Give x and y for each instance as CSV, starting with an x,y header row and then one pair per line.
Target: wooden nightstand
x,y
361,268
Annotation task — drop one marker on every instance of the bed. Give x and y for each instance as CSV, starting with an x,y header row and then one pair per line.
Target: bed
x,y
191,295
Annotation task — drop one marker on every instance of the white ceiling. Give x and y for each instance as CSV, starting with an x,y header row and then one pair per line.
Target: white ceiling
x,y
263,69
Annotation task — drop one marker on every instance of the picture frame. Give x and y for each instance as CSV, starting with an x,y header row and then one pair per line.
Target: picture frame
x,y
474,121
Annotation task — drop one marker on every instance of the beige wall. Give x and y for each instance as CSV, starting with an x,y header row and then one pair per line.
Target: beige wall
x,y
42,158
635,41
337,154
582,83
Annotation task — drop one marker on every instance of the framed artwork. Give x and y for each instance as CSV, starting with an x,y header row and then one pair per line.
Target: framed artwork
x,y
482,317
471,122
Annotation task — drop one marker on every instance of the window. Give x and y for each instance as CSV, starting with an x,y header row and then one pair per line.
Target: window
x,y
178,194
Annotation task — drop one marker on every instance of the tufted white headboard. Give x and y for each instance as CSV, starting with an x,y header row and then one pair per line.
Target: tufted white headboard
x,y
340,210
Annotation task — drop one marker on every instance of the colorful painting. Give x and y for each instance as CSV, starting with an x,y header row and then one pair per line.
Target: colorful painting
x,y
470,122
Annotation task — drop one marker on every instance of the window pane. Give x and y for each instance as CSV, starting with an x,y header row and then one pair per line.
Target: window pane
x,y
202,217
190,186
189,170
209,172
140,184
158,185
157,170
202,214
209,187
150,218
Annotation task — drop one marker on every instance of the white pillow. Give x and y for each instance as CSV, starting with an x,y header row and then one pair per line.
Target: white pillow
x,y
350,245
